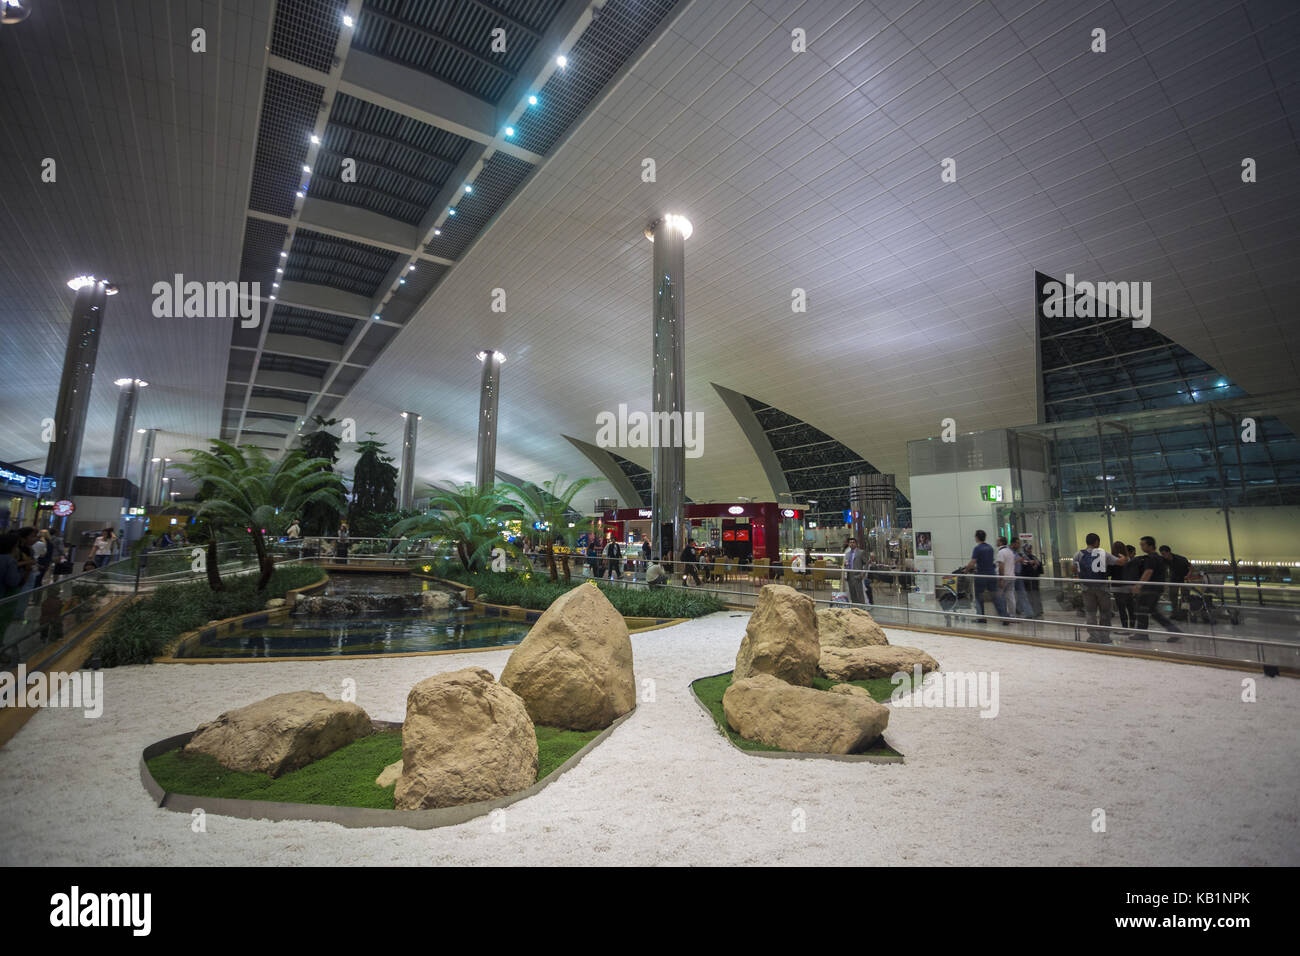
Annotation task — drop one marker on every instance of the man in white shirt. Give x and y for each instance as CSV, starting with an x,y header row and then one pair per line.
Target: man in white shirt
x,y
1006,561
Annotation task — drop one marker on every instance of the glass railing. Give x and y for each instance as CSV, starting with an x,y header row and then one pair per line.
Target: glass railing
x,y
1194,619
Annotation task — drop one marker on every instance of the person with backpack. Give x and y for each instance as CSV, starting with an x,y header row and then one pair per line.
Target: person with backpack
x,y
1093,563
614,559
1147,589
1030,570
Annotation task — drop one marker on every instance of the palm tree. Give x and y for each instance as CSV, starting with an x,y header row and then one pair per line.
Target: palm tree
x,y
548,505
466,514
244,488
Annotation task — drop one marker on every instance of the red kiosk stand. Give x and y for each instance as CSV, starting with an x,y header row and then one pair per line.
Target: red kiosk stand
x,y
738,528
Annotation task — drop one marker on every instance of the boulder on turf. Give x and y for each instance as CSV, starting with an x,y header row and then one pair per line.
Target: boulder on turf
x,y
574,667
803,719
780,638
280,733
466,738
389,774
864,663
848,627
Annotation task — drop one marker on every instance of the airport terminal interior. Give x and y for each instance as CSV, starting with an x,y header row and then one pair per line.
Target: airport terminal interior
x,y
480,432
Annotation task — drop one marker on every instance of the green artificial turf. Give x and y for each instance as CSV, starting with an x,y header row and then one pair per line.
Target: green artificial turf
x,y
345,778
710,690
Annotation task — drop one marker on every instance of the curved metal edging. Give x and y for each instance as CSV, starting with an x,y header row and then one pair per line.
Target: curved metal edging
x,y
792,754
352,817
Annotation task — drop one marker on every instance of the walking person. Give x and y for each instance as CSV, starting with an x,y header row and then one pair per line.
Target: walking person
x,y
102,550
43,552
1031,569
645,554
1006,561
983,563
1147,588
1092,564
853,573
688,558
1178,566
11,584
614,559
1118,574
342,542
593,558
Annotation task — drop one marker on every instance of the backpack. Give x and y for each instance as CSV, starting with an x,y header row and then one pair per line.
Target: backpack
x,y
1091,564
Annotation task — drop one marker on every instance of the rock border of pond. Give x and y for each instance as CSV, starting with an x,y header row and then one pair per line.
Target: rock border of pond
x,y
788,754
352,817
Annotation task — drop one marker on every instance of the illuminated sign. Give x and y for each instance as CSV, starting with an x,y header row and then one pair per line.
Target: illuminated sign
x,y
28,482
64,508
643,513
789,513
991,492
736,510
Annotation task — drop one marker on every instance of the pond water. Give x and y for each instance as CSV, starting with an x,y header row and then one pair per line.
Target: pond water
x,y
371,633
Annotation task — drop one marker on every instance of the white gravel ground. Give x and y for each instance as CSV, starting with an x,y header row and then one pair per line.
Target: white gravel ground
x,y
1186,772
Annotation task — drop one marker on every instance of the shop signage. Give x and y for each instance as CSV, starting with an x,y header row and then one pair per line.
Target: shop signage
x,y
28,482
991,492
789,513
643,513
736,510
64,508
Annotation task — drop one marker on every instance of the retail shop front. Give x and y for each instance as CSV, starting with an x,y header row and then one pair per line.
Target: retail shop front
x,y
22,490
758,529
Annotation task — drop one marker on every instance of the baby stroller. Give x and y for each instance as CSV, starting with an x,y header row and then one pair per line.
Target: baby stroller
x,y
953,593
1201,606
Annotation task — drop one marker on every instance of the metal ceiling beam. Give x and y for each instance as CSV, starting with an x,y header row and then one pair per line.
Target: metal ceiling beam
x,y
317,216
438,38
330,87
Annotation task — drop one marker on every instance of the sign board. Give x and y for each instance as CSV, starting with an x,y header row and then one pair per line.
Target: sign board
x,y
991,492
64,508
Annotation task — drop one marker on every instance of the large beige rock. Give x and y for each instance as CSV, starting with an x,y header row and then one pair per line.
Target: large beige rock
x,y
466,738
389,774
574,668
781,637
281,733
802,719
848,627
864,663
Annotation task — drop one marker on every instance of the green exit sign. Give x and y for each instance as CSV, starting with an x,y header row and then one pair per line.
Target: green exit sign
x,y
991,492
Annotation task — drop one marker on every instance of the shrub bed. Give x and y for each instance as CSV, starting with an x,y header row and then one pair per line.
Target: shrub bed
x,y
144,630
536,592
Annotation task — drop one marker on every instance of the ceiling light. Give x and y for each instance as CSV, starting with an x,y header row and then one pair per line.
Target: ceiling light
x,y
272,298
510,131
315,140
301,194
401,282
375,316
437,232
561,61
283,254
347,20
451,212
680,223
411,267
279,270
306,169
140,431
80,282
469,188
532,101
500,357
275,285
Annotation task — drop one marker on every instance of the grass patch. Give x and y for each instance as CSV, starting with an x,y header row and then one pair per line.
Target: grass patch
x,y
710,690
145,629
536,592
345,778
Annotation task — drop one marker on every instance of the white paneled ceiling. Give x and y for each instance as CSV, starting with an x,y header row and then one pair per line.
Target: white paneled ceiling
x,y
817,170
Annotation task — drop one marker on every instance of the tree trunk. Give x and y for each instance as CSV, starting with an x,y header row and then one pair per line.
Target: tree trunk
x,y
214,572
263,561
550,563
564,558
462,552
